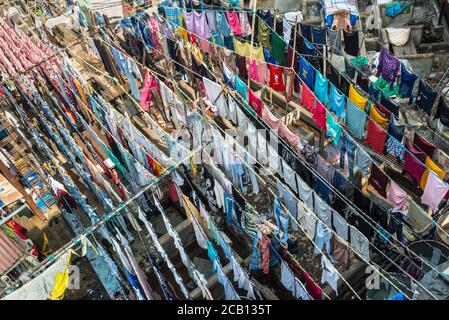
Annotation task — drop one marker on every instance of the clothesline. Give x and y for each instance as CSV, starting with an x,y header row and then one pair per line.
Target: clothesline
x,y
363,213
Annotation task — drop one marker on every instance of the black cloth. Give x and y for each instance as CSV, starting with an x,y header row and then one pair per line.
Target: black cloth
x,y
349,69
279,27
306,31
332,74
361,201
426,97
266,16
319,35
304,173
241,65
351,40
240,205
379,215
390,105
443,112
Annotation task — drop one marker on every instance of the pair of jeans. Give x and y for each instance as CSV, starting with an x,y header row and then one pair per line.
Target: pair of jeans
x,y
348,146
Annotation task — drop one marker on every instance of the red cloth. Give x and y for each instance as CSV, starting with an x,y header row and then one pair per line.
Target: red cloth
x,y
375,136
64,196
313,290
276,79
307,98
413,168
17,228
172,192
255,103
383,110
421,144
319,115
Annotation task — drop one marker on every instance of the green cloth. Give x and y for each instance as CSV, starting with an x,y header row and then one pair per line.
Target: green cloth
x,y
113,158
333,129
384,85
278,48
359,62
9,232
241,88
264,34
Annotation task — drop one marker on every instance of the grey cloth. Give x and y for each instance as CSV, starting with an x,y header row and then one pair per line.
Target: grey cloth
x,y
332,34
325,169
359,242
322,209
289,176
362,161
305,192
340,225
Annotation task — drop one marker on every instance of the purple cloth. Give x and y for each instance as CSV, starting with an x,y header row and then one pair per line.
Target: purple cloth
x,y
201,27
389,66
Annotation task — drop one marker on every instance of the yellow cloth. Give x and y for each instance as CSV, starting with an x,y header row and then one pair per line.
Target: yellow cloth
x,y
45,245
355,97
61,283
80,90
376,116
432,166
241,48
183,34
257,54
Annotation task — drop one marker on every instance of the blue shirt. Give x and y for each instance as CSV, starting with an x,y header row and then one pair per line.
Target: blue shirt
x,y
321,88
306,72
355,119
337,102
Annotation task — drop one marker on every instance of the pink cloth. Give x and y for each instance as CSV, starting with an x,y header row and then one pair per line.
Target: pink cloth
x,y
307,98
253,70
319,115
270,118
397,196
145,95
245,25
10,252
288,135
205,45
234,23
434,192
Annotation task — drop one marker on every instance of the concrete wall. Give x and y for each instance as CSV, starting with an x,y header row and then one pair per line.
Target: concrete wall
x,y
421,63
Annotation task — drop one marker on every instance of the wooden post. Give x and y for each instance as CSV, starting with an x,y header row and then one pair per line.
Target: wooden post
x,y
29,201
292,65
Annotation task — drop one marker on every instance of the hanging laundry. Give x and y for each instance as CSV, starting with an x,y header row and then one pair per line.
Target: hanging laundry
x,y
333,129
330,274
378,118
379,180
334,40
319,35
443,111
375,136
306,72
388,67
307,98
434,168
355,119
397,196
337,102
408,79
234,23
241,48
321,88
222,24
264,34
423,145
241,88
245,25
341,225
357,98
255,103
322,238
278,48
276,79
359,242
434,192
351,40
287,30
306,31
319,115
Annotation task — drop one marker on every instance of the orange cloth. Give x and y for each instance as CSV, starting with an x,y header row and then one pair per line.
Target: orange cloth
x,y
432,166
